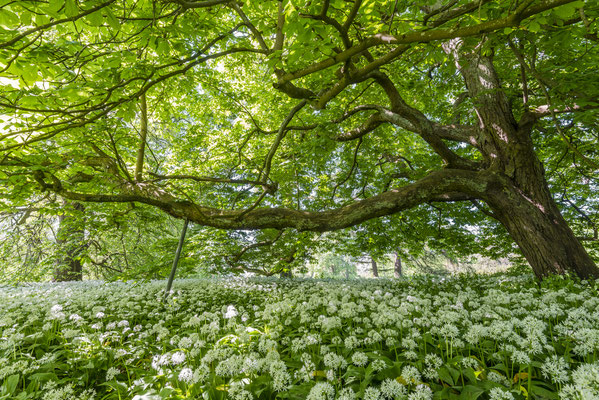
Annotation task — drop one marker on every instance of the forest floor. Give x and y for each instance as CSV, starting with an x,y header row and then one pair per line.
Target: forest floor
x,y
462,337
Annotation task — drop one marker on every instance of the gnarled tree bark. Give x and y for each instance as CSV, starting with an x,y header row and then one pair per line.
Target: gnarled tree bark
x,y
518,193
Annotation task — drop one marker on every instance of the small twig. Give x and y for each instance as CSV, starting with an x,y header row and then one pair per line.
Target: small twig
x,y
351,170
482,209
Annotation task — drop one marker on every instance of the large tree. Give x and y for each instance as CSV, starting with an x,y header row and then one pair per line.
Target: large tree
x,y
313,116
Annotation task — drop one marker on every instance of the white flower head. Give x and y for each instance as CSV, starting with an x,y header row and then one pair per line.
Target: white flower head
x,y
178,358
56,308
186,375
372,393
391,389
411,374
231,312
111,373
75,317
422,392
321,391
500,394
359,359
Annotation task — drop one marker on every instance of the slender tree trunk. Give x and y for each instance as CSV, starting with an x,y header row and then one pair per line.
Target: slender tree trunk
x,y
374,266
143,133
397,267
71,241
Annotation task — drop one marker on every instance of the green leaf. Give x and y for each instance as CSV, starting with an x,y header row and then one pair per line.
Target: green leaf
x,y
471,392
26,18
537,390
29,73
11,383
534,26
42,377
162,46
54,7
70,8
95,18
446,376
112,20
565,11
8,19
470,375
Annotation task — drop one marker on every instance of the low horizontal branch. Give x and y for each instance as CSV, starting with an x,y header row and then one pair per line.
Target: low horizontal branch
x,y
444,185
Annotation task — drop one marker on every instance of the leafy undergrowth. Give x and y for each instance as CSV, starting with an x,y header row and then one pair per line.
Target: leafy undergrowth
x,y
468,337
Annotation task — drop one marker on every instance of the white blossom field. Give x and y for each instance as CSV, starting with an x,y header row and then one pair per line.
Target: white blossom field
x,y
467,337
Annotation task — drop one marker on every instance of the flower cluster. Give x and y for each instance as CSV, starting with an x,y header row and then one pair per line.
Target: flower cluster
x,y
499,337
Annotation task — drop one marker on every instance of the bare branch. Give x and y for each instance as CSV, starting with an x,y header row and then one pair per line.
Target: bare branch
x,y
142,139
352,14
252,246
200,4
28,32
158,178
251,26
281,134
370,125
351,170
280,37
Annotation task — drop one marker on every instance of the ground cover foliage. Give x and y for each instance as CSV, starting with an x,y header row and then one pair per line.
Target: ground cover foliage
x,y
465,337
472,123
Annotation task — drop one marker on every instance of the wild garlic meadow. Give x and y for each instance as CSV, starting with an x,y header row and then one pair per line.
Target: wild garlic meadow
x,y
467,337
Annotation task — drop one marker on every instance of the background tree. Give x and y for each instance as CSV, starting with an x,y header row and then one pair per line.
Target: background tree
x,y
380,107
47,241
71,243
330,265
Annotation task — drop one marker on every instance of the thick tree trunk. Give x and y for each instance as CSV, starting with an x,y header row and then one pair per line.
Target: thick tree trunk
x,y
397,266
518,193
71,241
541,232
375,269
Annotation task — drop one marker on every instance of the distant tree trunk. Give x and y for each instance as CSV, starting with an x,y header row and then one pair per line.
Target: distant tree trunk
x,y
397,267
71,241
450,264
375,268
286,274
